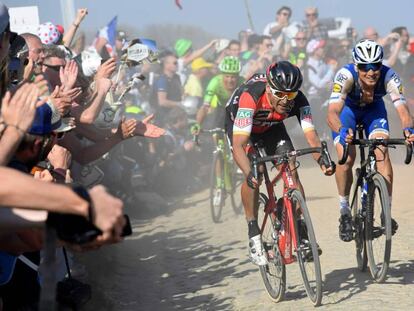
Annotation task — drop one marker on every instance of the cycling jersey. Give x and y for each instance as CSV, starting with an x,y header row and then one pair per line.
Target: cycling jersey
x,y
216,88
373,116
249,110
346,87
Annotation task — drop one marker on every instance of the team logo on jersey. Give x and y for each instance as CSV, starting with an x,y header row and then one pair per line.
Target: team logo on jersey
x,y
244,118
337,88
341,78
306,114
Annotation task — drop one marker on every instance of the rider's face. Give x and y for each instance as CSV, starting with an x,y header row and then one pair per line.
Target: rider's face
x,y
370,77
230,82
280,105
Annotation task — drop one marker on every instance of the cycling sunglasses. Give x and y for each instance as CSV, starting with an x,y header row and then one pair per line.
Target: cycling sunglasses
x,y
283,95
368,67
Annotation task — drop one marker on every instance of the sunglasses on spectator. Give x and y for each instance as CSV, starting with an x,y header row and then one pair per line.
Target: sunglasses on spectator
x,y
311,14
300,39
269,45
368,67
53,67
283,95
284,13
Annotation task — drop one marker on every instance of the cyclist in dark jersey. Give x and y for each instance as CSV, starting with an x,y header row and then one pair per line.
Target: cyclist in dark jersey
x,y
255,112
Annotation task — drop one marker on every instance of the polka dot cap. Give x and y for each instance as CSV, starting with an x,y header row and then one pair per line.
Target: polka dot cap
x,y
48,33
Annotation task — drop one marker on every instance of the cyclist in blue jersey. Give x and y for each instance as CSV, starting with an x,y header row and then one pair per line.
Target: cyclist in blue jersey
x,y
357,98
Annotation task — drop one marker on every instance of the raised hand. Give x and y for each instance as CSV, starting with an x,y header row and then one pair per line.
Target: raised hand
x,y
107,69
146,129
68,75
18,110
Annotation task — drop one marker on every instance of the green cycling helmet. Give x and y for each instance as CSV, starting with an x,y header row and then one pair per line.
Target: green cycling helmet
x,y
182,46
230,64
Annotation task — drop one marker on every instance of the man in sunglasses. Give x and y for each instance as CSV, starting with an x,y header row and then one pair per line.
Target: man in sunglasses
x,y
357,98
255,112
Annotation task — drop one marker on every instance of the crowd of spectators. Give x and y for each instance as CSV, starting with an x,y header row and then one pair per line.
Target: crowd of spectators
x,y
64,129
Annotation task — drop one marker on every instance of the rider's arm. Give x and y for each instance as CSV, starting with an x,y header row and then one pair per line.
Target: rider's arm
x,y
208,97
242,128
303,112
395,90
342,85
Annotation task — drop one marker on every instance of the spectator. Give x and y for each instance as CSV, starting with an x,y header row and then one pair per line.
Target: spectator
x,y
234,48
167,90
312,27
195,82
320,76
186,54
281,30
297,54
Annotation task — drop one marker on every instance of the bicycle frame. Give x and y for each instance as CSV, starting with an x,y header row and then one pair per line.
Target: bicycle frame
x,y
289,184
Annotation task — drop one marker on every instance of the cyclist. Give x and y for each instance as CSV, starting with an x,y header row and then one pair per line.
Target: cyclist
x,y
357,98
219,90
255,112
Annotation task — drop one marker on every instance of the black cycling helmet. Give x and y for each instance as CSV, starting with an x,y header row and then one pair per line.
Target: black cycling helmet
x,y
284,76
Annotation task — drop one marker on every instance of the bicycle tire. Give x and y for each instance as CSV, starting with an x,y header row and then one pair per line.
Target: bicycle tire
x,y
358,223
236,181
314,292
216,210
274,273
378,270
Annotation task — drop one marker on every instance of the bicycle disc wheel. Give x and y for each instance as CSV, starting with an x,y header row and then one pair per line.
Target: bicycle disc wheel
x,y
274,273
358,222
216,190
307,250
378,228
235,197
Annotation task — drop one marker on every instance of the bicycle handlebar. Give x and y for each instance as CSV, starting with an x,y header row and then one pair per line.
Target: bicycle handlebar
x,y
210,131
379,142
284,157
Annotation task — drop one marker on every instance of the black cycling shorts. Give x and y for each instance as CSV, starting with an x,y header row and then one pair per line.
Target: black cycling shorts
x,y
275,140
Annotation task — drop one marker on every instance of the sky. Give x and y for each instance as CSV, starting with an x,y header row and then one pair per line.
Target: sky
x,y
227,17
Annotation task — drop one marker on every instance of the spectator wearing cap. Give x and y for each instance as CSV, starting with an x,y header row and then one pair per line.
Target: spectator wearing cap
x,y
312,27
34,148
281,30
319,72
200,71
319,76
49,34
185,55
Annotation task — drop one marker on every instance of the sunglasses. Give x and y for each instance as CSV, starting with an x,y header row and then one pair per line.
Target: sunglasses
x,y
300,39
284,13
54,67
311,14
269,45
368,67
283,95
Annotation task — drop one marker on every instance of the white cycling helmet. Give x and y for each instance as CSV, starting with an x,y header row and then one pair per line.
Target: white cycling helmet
x,y
367,52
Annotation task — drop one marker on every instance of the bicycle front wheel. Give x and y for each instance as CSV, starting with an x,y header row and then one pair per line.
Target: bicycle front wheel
x,y
307,249
378,228
358,221
274,273
235,197
217,191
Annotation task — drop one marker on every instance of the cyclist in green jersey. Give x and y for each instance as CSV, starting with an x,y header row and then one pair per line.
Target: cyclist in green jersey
x,y
218,92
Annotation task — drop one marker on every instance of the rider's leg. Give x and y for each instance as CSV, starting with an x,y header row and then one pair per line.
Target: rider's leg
x,y
250,199
344,178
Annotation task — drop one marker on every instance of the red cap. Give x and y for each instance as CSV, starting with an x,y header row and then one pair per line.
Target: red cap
x,y
60,29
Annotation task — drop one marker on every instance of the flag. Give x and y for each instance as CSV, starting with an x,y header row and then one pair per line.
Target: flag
x,y
109,34
177,2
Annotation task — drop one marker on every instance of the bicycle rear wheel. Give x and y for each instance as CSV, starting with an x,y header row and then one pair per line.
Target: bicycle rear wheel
x,y
236,181
307,251
274,273
216,187
378,228
358,221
